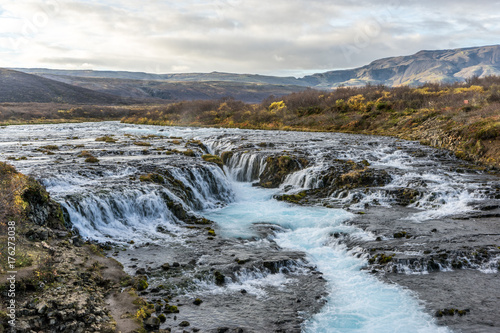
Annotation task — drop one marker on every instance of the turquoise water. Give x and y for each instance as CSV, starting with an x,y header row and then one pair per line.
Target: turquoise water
x,y
357,301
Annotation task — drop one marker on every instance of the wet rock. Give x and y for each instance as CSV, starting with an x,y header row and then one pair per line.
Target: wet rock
x,y
77,241
141,284
184,323
37,234
401,234
152,323
214,159
405,196
141,271
225,156
165,266
171,309
219,278
278,167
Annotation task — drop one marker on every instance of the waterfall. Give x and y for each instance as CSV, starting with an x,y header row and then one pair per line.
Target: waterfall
x,y
110,208
246,166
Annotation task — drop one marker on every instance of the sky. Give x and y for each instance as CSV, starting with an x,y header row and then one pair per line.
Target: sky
x,y
279,37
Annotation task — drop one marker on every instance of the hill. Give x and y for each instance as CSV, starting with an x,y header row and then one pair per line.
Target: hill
x,y
441,66
178,90
18,87
178,77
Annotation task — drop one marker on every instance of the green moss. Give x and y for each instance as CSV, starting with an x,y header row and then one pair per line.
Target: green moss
x,y
211,232
226,156
142,284
142,143
152,177
91,159
23,260
171,309
162,318
197,301
189,152
96,250
381,259
106,138
293,198
214,159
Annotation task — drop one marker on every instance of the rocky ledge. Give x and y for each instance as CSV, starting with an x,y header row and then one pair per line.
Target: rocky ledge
x,y
61,283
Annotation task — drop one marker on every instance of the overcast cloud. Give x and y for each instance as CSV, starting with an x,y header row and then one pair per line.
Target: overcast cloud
x,y
282,37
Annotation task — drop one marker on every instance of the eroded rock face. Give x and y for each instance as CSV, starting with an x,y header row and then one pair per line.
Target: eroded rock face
x,y
41,209
349,175
278,167
342,175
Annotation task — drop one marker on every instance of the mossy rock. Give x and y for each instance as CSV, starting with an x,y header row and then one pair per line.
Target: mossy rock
x,y
203,221
219,278
293,198
401,234
189,153
226,156
214,159
142,143
278,167
106,138
141,285
406,196
171,309
381,259
50,147
91,159
152,177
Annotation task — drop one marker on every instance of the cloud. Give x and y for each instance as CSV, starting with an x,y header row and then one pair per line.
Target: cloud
x,y
283,36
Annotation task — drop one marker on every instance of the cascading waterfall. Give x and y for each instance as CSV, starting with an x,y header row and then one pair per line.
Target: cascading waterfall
x,y
209,185
246,167
136,211
121,215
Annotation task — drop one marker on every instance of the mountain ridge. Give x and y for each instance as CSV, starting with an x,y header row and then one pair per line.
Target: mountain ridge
x,y
437,66
447,65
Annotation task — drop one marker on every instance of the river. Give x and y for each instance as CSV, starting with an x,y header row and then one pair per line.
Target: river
x,y
305,261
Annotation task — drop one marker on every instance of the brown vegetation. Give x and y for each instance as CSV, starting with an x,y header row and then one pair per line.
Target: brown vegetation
x,y
463,117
